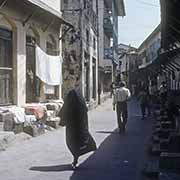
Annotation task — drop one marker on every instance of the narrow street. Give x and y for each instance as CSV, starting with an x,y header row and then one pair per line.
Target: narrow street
x,y
119,156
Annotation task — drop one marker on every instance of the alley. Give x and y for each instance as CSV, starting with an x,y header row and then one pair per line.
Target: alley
x,y
119,156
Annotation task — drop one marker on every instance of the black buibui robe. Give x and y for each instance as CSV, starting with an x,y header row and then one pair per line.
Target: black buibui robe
x,y
74,116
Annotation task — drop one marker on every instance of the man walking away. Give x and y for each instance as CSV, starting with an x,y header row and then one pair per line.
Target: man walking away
x,y
121,96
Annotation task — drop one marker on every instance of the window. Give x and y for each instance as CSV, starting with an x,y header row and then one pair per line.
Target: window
x,y
94,43
87,37
5,66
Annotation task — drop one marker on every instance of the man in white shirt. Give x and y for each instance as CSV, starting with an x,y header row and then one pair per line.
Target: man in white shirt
x,y
122,94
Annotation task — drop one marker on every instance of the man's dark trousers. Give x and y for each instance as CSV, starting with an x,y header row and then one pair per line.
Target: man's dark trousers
x,y
122,114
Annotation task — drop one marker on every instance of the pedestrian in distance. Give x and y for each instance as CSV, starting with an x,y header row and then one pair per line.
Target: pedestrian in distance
x,y
99,93
144,100
163,92
112,88
74,116
121,96
149,103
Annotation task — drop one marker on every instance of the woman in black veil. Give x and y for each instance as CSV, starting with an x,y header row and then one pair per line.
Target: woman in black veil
x,y
75,117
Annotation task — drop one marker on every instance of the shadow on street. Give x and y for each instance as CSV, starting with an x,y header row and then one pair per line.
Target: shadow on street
x,y
63,167
106,132
119,156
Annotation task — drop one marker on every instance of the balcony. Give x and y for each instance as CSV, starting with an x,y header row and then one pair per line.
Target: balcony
x,y
108,26
108,69
108,53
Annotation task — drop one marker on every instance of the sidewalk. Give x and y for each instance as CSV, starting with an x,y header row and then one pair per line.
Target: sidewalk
x,y
118,156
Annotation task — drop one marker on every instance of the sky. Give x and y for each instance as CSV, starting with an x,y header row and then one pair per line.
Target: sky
x,y
142,17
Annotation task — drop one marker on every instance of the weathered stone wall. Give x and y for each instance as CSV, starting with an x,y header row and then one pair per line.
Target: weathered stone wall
x,y
80,49
72,54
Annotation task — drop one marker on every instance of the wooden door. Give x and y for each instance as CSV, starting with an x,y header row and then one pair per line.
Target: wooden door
x,y
32,83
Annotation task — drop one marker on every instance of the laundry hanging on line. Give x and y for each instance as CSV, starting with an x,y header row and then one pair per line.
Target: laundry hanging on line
x,y
48,68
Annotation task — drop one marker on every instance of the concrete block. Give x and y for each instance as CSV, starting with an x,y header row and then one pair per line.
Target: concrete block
x,y
8,125
151,169
50,114
51,107
168,176
53,122
18,128
169,161
6,116
34,130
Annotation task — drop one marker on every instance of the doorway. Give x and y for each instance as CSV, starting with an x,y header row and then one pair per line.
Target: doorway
x,y
5,66
32,82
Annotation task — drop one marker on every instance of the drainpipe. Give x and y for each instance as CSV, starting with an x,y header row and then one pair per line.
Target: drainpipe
x,y
99,83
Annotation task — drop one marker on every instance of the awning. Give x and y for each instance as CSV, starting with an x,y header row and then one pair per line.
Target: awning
x,y
120,7
45,7
168,61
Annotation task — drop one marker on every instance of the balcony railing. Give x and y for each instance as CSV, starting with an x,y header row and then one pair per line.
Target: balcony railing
x,y
108,26
108,53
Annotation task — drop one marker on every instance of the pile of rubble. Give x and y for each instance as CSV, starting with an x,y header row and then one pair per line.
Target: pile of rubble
x,y
31,120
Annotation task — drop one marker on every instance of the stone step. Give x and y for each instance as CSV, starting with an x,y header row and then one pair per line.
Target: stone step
x,y
157,150
170,161
8,139
168,176
151,169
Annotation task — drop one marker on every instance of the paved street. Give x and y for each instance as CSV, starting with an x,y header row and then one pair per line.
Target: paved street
x,y
119,156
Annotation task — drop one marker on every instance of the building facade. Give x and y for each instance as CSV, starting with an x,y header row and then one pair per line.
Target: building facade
x,y
108,13
23,25
148,53
80,47
128,65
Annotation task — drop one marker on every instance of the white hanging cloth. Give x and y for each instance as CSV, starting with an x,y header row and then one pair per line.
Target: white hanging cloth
x,y
48,68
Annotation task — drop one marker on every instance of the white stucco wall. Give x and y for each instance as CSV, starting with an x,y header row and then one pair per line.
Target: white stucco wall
x,y
19,54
